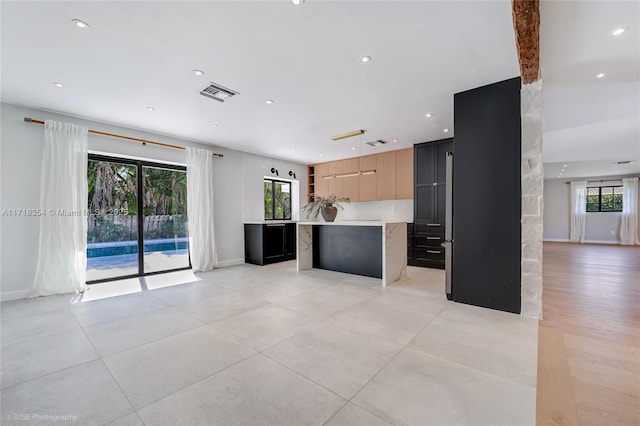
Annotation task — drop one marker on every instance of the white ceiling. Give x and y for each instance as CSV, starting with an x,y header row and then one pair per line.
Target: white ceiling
x,y
589,123
306,58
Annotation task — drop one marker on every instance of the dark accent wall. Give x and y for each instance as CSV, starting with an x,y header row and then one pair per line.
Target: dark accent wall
x,y
351,249
487,197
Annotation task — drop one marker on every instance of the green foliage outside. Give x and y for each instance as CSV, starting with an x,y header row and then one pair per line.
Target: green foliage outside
x,y
282,199
604,199
113,191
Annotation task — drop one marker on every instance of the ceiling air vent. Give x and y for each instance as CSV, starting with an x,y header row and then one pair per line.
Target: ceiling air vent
x,y
377,142
217,92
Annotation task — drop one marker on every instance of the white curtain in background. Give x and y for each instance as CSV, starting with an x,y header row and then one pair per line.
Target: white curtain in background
x,y
629,219
200,209
62,247
578,211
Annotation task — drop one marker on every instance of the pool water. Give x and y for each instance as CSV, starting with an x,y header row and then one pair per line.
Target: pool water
x,y
122,248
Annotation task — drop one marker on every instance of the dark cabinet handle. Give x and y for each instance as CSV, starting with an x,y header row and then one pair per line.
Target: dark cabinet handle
x,y
433,251
433,238
275,224
433,224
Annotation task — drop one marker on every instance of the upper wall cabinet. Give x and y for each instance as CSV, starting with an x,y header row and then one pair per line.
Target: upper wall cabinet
x,y
351,184
386,175
355,177
404,174
321,184
368,183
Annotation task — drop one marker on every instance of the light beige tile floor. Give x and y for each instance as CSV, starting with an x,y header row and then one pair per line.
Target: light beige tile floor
x,y
249,345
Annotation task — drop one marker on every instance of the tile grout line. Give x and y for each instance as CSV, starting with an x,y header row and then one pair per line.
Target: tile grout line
x,y
109,370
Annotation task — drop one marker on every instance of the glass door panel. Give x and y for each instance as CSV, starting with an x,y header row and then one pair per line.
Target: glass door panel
x,y
166,239
112,226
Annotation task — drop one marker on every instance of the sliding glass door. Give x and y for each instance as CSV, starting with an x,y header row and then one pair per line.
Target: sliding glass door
x,y
137,222
112,223
165,219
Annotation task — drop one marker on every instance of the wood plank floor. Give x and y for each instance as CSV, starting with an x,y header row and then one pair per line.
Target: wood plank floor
x,y
589,338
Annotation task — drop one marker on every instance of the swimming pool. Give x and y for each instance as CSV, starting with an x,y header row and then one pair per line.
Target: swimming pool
x,y
123,248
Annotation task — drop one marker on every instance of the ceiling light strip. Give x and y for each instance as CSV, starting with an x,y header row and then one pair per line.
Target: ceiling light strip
x,y
347,135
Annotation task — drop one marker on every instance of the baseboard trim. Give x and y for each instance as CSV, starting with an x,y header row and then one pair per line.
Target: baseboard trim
x,y
13,295
560,240
232,262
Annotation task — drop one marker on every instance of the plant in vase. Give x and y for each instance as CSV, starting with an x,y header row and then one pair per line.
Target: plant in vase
x,y
328,207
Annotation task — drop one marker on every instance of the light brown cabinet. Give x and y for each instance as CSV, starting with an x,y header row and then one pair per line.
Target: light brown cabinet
x,y
351,184
335,185
321,184
392,179
404,174
386,175
368,183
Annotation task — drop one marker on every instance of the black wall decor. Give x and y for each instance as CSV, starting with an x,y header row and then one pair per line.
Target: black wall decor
x,y
487,197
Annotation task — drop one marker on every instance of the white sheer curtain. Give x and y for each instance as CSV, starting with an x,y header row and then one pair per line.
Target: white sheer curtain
x,y
62,247
200,209
629,220
578,211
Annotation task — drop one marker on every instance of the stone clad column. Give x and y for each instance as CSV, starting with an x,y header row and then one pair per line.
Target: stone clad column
x,y
532,176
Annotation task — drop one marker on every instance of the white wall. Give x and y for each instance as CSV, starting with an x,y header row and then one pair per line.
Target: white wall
x,y
398,210
601,227
238,192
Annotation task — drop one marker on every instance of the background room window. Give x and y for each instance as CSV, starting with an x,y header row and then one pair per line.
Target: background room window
x,y
604,199
277,200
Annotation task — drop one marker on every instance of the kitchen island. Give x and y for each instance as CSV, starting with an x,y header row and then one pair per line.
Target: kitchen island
x,y
370,248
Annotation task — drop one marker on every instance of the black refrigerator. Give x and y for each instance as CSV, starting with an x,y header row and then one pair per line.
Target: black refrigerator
x,y
484,204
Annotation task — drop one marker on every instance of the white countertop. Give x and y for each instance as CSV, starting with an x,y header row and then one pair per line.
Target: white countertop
x,y
267,222
352,223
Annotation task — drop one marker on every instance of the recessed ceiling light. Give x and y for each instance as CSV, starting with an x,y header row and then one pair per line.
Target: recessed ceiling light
x,y
297,2
618,31
80,24
214,125
445,130
564,165
198,72
562,170
151,109
395,140
428,115
269,101
55,83
321,155
365,59
353,148
293,147
600,75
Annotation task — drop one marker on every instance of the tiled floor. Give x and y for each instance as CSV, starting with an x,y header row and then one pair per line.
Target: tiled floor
x,y
251,345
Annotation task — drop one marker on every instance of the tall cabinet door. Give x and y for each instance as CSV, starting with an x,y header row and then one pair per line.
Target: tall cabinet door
x,y
351,184
440,188
321,184
369,182
335,184
487,197
386,175
404,174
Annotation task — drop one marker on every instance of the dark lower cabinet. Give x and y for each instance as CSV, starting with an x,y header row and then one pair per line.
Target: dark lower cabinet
x,y
269,242
429,204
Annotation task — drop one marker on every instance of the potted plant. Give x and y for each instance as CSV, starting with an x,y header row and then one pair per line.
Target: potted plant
x,y
328,207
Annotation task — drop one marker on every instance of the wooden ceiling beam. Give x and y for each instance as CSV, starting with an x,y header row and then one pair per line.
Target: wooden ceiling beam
x,y
526,25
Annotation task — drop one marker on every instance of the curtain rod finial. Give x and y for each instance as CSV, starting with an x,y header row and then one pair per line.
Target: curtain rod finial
x,y
28,120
